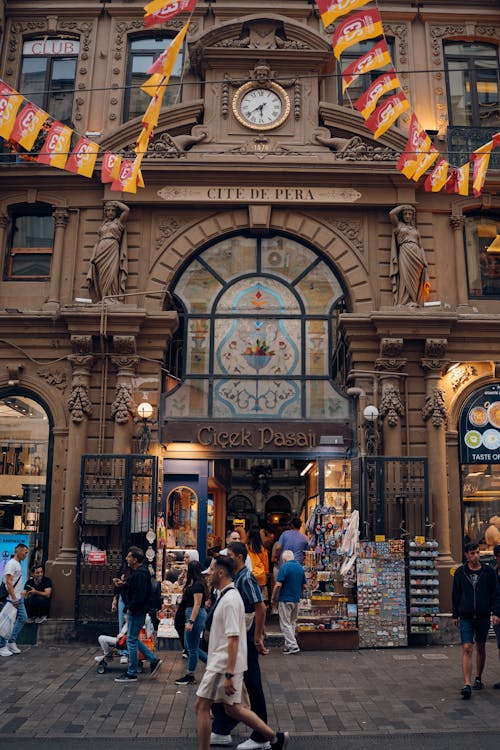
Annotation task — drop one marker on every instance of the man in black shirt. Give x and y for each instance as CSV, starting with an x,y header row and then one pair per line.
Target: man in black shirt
x,y
475,596
37,593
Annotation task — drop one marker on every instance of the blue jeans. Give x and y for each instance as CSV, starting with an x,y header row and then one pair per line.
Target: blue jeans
x,y
121,620
134,625
18,625
192,639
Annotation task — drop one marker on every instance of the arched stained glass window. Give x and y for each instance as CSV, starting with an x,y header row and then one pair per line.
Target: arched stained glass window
x,y
258,316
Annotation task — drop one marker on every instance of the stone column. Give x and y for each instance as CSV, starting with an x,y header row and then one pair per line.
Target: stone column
x,y
435,416
4,226
80,407
61,216
123,407
457,224
391,407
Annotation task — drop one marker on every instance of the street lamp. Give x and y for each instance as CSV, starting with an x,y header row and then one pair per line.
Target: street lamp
x,y
144,414
370,418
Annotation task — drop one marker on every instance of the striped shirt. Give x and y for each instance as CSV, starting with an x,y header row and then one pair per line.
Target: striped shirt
x,y
249,589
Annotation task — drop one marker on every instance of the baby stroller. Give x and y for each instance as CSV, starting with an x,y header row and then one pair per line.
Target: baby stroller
x,y
111,646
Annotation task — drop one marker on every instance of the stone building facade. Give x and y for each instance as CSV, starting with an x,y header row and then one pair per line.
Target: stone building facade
x,y
228,199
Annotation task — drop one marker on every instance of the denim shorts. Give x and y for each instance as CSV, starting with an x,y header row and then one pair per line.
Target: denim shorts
x,y
475,629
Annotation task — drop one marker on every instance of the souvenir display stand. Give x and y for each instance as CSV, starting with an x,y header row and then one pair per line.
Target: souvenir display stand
x,y
172,595
423,584
381,583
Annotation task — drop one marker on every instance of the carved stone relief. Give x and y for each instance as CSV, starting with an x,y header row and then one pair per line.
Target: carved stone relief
x,y
391,405
123,407
435,409
353,149
390,355
262,74
167,227
262,35
461,375
352,229
56,378
79,403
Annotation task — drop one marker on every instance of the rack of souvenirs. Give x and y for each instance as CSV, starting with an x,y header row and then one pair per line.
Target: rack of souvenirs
x,y
381,588
423,586
171,594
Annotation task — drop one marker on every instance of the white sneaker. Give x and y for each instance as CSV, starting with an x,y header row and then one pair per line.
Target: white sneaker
x,y
39,620
13,648
220,739
4,651
253,745
123,659
100,658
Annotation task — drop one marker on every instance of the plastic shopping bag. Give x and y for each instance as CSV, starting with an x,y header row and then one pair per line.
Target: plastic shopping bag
x,y
8,617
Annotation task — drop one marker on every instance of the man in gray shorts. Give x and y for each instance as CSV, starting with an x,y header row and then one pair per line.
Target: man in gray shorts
x,y
227,661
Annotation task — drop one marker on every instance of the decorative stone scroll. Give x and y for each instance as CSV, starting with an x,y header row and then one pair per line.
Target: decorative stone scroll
x,y
435,408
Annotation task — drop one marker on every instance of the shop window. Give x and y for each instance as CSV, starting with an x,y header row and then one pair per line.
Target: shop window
x,y
258,316
31,242
48,75
481,505
482,246
359,86
141,55
24,439
472,82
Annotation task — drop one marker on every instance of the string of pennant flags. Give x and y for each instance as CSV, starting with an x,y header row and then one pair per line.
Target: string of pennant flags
x,y
26,125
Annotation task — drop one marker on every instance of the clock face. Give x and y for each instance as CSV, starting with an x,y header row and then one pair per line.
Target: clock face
x,y
261,107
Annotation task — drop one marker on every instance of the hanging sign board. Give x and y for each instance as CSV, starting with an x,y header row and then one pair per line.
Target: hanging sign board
x,y
480,427
51,47
96,558
101,510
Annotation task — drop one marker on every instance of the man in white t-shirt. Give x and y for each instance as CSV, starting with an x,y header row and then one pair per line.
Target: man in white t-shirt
x,y
227,661
12,577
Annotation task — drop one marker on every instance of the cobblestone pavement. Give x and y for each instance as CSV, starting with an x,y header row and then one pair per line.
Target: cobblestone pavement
x,y
54,691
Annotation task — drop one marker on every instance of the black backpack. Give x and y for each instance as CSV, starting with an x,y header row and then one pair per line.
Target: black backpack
x,y
155,600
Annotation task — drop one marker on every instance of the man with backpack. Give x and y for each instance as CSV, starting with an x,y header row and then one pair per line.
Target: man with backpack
x,y
136,592
475,596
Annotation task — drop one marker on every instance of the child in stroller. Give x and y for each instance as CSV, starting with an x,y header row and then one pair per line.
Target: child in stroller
x,y
109,645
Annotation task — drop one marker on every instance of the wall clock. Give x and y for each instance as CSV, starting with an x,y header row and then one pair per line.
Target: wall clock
x,y
261,106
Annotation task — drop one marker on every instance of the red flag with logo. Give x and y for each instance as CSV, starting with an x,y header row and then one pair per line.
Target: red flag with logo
x,y
56,146
437,178
380,86
10,101
330,10
27,126
356,28
387,113
377,57
415,144
110,168
162,10
83,158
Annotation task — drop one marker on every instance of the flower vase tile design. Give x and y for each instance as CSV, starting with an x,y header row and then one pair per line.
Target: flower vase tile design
x,y
259,350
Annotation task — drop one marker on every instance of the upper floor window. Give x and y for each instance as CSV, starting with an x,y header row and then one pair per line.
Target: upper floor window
x,y
359,86
482,243
142,54
31,242
48,75
472,81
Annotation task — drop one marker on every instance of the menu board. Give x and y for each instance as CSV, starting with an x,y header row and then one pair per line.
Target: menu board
x,y
382,617
480,427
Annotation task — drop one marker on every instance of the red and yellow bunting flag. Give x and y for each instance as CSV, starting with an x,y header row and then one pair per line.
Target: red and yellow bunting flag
x,y
458,180
418,141
110,169
83,158
387,113
10,101
377,57
152,114
28,124
56,146
437,178
162,68
356,28
480,160
160,11
130,184
380,86
330,10
496,140
424,162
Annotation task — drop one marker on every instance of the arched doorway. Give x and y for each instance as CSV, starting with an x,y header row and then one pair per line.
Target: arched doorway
x,y
278,510
24,472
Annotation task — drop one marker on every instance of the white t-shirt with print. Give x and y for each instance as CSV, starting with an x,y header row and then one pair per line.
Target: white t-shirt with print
x,y
13,568
229,619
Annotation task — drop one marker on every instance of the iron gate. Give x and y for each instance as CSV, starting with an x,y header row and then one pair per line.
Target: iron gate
x,y
117,509
394,496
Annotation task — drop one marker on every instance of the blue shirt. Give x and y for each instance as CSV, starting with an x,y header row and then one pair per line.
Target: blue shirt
x,y
249,589
295,541
292,578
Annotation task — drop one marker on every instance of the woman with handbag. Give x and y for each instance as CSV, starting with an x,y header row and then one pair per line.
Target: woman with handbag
x,y
194,597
